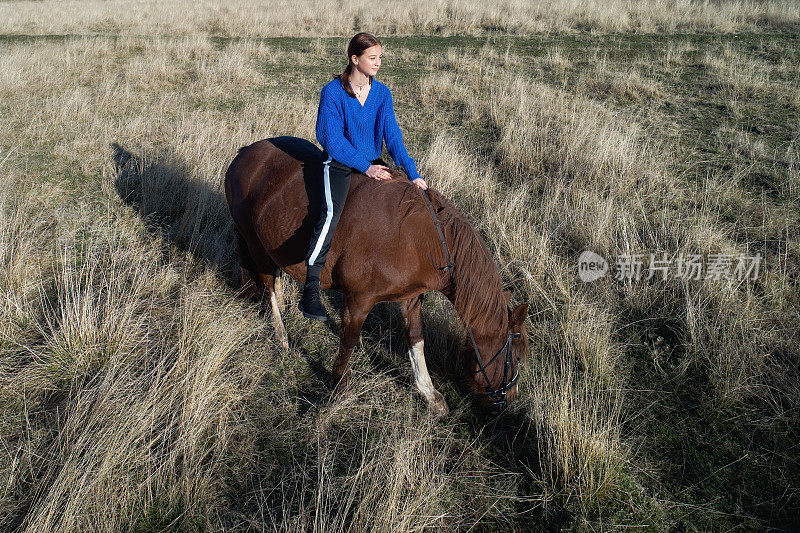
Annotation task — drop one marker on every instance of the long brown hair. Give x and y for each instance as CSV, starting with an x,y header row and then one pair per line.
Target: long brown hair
x,y
359,43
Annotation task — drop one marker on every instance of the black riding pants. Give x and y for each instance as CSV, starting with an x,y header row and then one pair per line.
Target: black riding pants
x,y
335,185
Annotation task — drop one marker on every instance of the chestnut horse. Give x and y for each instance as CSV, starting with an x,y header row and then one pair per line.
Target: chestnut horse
x,y
386,248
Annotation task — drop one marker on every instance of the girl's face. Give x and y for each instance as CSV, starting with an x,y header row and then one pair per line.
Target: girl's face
x,y
369,61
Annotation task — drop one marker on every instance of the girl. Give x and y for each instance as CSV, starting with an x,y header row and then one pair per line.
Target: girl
x,y
356,115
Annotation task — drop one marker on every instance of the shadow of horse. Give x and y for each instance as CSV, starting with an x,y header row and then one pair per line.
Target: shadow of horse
x,y
185,212
516,446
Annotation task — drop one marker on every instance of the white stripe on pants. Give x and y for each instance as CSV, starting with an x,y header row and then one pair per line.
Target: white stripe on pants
x,y
328,216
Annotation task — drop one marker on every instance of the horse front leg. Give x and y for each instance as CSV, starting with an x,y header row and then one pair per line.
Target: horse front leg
x,y
412,313
354,312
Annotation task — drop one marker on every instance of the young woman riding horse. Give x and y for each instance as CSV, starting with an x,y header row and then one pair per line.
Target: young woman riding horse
x,y
355,116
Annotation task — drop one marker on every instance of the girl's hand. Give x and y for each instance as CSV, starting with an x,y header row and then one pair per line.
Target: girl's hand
x,y
378,172
419,182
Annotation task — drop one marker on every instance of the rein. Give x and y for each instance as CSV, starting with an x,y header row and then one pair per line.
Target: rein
x,y
497,396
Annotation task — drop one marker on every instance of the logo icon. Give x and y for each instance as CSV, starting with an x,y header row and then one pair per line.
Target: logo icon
x,y
591,266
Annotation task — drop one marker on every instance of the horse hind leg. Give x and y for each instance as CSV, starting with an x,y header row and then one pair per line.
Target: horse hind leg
x,y
251,281
271,282
412,313
255,279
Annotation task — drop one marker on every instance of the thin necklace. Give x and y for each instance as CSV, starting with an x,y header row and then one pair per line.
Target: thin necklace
x,y
359,87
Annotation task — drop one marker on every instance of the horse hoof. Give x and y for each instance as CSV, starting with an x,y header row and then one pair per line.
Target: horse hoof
x,y
439,406
283,342
340,386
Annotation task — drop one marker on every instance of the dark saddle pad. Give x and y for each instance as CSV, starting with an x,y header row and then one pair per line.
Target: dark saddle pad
x,y
300,149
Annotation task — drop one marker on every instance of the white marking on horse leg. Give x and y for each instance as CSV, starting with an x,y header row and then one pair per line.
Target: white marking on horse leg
x,y
277,320
417,355
423,380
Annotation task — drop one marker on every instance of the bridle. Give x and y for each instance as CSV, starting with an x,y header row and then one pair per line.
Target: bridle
x,y
496,395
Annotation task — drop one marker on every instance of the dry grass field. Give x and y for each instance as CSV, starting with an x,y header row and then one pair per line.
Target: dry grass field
x,y
273,18
139,393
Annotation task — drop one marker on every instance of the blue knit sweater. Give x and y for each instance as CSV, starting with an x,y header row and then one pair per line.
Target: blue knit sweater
x,y
353,134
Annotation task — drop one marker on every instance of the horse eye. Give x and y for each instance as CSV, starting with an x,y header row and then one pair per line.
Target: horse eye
x,y
515,335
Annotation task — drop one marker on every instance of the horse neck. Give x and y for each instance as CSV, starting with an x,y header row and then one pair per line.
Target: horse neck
x,y
478,297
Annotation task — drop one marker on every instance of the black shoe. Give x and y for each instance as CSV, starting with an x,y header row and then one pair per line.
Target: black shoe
x,y
311,304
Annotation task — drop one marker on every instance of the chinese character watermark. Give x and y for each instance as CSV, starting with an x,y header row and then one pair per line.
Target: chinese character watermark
x,y
631,267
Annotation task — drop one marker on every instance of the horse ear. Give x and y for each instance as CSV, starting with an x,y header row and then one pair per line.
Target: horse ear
x,y
518,314
507,295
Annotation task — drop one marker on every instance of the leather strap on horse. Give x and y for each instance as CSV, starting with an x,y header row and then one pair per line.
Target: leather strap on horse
x,y
449,264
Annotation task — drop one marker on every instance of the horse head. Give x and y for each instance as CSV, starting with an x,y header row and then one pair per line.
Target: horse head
x,y
492,360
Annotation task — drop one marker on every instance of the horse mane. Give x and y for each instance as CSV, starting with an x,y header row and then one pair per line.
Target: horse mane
x,y
478,285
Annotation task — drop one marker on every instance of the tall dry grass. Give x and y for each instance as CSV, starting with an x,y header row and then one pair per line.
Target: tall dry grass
x,y
137,391
441,17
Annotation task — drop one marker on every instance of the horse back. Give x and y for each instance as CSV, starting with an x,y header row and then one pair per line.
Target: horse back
x,y
274,192
266,186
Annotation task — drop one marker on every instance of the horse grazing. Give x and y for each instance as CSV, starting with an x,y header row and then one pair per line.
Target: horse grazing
x,y
385,248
